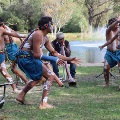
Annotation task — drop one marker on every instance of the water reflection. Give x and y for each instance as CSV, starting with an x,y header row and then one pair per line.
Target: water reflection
x,y
87,51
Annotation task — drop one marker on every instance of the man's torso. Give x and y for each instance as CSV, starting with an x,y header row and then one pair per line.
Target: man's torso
x,y
114,44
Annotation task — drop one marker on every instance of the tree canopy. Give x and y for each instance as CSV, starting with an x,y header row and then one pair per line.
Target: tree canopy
x,y
68,15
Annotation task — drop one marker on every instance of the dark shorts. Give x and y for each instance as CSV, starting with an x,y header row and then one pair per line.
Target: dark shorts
x,y
111,58
118,55
11,50
29,65
2,57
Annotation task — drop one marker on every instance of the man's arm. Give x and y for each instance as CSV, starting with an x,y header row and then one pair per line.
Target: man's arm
x,y
14,34
50,48
67,50
112,26
108,42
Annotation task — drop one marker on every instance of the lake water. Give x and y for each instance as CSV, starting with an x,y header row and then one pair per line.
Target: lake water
x,y
87,51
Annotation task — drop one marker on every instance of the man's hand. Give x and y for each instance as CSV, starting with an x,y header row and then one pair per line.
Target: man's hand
x,y
76,61
61,62
62,43
100,47
22,36
21,39
118,47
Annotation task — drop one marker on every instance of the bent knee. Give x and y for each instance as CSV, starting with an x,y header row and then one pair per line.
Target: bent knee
x,y
106,65
50,74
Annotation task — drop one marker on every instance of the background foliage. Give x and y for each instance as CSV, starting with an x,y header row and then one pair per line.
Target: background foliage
x,y
68,15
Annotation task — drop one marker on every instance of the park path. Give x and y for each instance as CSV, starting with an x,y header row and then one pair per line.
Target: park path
x,y
91,64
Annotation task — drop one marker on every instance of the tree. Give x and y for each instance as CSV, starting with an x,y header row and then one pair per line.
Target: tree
x,y
98,11
27,11
60,10
78,22
116,8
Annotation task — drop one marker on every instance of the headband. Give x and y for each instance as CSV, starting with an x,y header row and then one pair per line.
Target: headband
x,y
43,27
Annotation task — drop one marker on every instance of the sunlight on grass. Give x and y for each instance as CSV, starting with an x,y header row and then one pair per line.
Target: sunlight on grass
x,y
87,101
65,94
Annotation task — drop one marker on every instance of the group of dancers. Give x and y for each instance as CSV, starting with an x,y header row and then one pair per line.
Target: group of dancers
x,y
30,57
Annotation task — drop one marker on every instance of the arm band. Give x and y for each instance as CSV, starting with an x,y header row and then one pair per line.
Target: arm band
x,y
49,58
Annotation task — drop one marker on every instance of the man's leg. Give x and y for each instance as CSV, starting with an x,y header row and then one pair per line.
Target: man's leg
x,y
19,73
56,78
46,88
55,68
7,76
72,70
29,85
106,72
119,66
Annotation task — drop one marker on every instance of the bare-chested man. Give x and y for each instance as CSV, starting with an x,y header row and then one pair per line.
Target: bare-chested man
x,y
29,61
11,50
2,55
111,57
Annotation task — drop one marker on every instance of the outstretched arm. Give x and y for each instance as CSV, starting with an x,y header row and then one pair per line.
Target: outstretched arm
x,y
52,51
14,34
10,30
108,42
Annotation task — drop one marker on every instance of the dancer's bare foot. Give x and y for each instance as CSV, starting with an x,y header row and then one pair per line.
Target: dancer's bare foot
x,y
46,106
20,99
61,84
17,91
106,85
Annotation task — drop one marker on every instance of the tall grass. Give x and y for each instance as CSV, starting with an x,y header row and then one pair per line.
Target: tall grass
x,y
88,101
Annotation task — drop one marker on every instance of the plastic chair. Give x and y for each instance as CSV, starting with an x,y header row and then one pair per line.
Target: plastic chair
x,y
64,76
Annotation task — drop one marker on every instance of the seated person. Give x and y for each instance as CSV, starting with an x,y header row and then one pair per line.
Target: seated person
x,y
57,43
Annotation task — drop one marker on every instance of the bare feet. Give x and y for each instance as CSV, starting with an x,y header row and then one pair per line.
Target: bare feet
x,y
107,85
61,84
17,91
46,106
20,99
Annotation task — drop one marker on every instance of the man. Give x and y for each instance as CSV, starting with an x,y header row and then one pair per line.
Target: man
x,y
57,43
111,56
29,61
11,50
2,55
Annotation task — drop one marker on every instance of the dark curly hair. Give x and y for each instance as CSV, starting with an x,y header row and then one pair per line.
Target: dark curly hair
x,y
44,20
110,21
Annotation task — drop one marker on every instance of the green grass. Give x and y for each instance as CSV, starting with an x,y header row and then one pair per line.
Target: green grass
x,y
88,101
82,36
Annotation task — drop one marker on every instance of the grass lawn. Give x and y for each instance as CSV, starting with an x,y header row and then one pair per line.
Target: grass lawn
x,y
88,101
